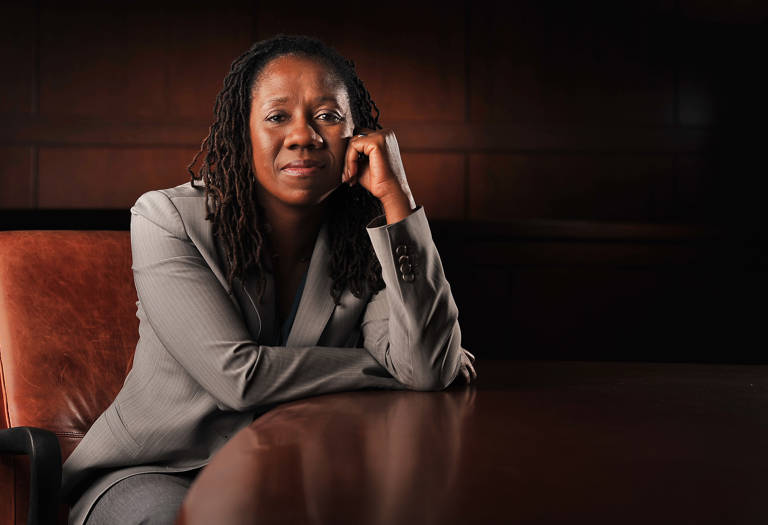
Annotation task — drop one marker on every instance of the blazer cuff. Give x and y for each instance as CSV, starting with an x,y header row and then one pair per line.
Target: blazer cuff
x,y
403,243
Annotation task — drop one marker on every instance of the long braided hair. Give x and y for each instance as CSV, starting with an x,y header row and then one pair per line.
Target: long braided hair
x,y
230,184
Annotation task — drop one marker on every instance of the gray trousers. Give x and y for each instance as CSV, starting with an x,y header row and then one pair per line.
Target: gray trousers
x,y
142,499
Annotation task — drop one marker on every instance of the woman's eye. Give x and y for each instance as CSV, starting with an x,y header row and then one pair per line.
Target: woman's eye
x,y
276,118
331,117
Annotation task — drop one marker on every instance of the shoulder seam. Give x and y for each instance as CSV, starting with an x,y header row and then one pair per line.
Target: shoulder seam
x,y
154,220
178,214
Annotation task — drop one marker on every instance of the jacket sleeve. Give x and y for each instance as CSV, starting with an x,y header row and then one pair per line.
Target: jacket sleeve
x,y
197,322
411,327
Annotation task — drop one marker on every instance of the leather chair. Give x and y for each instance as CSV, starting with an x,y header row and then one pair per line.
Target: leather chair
x,y
68,329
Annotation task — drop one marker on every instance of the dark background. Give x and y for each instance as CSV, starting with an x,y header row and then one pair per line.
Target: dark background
x,y
593,172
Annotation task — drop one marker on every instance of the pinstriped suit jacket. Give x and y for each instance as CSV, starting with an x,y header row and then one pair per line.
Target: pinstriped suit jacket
x,y
206,365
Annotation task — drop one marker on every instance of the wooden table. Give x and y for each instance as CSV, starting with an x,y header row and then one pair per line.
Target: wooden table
x,y
533,442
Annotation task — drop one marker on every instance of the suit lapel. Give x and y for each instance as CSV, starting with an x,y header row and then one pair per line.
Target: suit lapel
x,y
316,305
200,232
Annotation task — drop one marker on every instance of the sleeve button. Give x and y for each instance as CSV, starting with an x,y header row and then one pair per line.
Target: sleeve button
x,y
401,250
403,259
408,277
405,268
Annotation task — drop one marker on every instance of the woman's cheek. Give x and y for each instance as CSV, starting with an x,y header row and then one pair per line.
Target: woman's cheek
x,y
337,167
340,156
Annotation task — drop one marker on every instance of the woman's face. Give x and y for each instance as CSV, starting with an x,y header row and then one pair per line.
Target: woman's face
x,y
300,125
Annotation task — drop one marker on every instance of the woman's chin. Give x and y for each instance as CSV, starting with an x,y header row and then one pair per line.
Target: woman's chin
x,y
309,196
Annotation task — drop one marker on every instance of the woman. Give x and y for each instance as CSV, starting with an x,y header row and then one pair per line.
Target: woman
x,y
272,276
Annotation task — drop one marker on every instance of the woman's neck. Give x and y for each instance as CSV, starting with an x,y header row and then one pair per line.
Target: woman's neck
x,y
292,231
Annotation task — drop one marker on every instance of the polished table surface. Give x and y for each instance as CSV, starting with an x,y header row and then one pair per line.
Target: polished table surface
x,y
532,442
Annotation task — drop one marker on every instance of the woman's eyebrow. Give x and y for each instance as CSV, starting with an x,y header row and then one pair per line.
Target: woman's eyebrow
x,y
326,98
281,100
275,100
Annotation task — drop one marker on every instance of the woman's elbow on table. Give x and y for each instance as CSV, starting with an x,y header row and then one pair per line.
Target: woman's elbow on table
x,y
242,379
434,364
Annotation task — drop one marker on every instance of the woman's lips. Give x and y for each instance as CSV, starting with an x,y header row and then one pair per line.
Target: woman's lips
x,y
302,171
303,167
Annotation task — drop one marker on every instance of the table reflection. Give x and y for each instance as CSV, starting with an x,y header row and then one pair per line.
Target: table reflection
x,y
539,442
371,457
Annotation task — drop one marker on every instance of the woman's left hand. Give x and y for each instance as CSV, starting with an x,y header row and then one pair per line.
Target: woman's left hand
x,y
381,173
467,367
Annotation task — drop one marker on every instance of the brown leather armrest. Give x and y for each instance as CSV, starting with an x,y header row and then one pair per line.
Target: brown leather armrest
x,y
44,453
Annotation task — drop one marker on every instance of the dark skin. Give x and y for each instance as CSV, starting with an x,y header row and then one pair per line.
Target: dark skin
x,y
300,112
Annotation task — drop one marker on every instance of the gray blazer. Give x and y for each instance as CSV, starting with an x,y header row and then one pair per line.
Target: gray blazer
x,y
206,364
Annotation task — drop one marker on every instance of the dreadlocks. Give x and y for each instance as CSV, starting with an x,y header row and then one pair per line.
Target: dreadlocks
x,y
230,184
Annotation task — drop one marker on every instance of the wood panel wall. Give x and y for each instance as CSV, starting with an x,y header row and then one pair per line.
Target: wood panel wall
x,y
582,161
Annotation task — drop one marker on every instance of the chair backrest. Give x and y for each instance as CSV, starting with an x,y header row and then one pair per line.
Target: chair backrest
x,y
68,330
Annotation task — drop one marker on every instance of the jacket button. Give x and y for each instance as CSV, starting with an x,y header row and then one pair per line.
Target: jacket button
x,y
403,259
401,250
408,277
405,267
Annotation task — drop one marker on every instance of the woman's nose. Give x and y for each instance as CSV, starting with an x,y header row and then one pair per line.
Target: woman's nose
x,y
303,135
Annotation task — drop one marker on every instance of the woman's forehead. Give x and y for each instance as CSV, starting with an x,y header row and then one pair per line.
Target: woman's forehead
x,y
287,77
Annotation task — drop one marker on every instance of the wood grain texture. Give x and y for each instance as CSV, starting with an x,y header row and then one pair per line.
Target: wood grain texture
x,y
93,62
655,104
107,177
16,178
564,62
437,183
410,55
17,60
578,186
201,44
